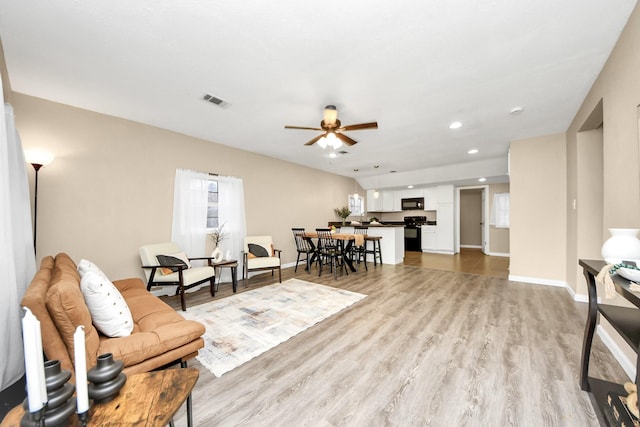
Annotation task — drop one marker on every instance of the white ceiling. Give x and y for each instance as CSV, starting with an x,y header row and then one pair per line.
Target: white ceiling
x,y
413,66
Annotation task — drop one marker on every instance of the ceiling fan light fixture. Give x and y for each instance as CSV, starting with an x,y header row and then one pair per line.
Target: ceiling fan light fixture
x,y
330,114
322,142
332,141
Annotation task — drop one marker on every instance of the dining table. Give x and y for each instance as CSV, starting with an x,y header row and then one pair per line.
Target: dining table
x,y
349,238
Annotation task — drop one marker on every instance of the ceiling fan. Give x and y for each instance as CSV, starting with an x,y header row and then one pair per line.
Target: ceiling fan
x,y
333,135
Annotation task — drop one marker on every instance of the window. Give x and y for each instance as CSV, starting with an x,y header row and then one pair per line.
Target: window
x,y
500,212
356,205
212,205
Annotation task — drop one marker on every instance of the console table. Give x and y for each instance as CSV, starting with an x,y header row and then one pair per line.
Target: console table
x,y
625,320
149,399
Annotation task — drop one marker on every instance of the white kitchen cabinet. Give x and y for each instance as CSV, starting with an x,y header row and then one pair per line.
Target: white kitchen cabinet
x,y
374,204
445,193
429,237
411,193
445,229
391,201
430,199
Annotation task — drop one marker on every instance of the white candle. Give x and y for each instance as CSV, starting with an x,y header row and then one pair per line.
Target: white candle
x,y
33,364
80,362
40,362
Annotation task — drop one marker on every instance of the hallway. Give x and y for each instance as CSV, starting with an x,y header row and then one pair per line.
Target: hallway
x,y
471,261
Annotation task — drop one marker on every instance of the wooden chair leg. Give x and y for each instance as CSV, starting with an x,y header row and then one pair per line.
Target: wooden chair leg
x,y
182,301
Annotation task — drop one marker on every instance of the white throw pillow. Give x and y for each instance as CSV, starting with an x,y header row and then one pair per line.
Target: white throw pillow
x,y
109,311
85,265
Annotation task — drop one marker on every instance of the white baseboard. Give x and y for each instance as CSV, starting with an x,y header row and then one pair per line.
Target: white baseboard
x,y
433,251
507,255
538,281
618,354
471,246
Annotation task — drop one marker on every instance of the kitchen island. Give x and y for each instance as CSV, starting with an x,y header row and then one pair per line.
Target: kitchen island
x,y
391,244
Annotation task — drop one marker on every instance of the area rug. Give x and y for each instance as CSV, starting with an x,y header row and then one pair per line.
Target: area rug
x,y
243,326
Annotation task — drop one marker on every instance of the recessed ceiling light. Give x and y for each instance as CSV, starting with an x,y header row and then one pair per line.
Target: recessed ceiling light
x,y
473,151
409,186
376,166
455,125
482,179
516,110
356,170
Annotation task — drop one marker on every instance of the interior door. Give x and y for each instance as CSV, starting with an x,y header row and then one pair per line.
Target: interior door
x,y
483,222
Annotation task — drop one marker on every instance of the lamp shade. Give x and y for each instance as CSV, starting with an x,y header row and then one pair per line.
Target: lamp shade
x,y
330,114
38,157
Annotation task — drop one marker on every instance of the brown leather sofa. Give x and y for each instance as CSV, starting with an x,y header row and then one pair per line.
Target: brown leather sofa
x,y
160,335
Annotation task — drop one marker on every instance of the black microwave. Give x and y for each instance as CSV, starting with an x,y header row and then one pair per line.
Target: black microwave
x,y
413,204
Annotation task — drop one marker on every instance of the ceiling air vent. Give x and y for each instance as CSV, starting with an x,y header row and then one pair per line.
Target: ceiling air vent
x,y
215,100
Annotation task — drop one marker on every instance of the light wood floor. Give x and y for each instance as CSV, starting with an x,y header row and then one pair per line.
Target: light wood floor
x,y
427,347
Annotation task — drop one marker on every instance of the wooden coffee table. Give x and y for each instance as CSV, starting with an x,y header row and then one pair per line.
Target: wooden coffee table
x,y
149,399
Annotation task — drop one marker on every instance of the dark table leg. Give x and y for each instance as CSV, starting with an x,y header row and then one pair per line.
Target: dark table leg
x,y
234,278
313,257
345,255
589,329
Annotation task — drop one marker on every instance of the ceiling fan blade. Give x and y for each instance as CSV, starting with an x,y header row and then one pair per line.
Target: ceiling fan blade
x,y
301,127
316,139
361,126
344,138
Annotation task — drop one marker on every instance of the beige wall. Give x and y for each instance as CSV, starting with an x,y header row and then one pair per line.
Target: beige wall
x,y
538,208
618,89
471,217
614,198
110,187
498,237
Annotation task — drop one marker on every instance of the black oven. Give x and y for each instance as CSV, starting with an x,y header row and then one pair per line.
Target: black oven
x,y
413,232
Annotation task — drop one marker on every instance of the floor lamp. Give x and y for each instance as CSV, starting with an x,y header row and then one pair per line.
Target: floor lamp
x,y
38,159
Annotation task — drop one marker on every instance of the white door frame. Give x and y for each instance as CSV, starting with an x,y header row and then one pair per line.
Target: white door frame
x,y
485,217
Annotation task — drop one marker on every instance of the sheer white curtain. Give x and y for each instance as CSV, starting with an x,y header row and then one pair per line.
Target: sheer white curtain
x,y
500,212
189,229
17,257
231,214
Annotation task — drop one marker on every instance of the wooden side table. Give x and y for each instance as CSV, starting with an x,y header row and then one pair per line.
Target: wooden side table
x,y
225,263
149,399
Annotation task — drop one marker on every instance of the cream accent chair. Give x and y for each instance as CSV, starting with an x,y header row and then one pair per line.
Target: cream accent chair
x,y
184,278
259,254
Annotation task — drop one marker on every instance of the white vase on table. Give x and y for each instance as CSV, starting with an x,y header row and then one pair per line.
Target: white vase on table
x,y
622,245
217,254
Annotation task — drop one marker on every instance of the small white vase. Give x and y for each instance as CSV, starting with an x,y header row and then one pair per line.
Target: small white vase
x,y
622,245
216,254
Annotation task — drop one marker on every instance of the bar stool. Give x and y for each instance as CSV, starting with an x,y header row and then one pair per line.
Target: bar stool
x,y
375,250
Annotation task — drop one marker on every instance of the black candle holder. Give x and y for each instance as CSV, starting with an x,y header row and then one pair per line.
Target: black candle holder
x,y
61,403
106,379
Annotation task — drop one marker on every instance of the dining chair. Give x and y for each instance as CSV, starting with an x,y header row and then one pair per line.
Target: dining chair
x,y
330,252
305,248
359,253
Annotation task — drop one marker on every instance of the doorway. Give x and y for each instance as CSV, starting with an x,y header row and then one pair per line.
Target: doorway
x,y
471,218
